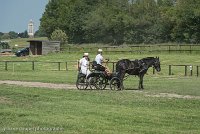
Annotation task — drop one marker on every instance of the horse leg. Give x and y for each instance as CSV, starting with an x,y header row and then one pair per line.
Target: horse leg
x,y
141,82
139,86
122,79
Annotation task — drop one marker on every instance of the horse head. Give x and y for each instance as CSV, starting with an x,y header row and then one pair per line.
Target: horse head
x,y
156,64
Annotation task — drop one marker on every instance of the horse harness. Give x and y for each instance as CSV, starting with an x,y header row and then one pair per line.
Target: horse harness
x,y
141,65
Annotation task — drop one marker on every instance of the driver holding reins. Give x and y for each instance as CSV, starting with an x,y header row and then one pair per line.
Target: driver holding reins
x,y
99,60
99,57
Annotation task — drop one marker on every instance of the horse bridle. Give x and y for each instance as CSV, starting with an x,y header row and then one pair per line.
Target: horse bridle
x,y
156,63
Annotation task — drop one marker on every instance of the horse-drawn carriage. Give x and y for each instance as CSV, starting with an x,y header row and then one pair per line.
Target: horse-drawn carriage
x,y
99,79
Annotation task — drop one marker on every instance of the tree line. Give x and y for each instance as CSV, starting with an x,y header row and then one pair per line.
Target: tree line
x,y
119,21
14,35
123,21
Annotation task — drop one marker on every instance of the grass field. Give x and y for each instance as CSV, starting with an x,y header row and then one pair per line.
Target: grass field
x,y
168,104
22,42
46,72
74,111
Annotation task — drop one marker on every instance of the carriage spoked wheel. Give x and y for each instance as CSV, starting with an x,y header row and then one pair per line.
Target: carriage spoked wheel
x,y
92,82
101,82
97,82
115,84
81,83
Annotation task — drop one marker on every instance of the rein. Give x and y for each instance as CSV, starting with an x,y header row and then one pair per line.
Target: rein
x,y
139,63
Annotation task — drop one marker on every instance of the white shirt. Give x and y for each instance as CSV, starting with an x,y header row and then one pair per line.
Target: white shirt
x,y
84,64
99,59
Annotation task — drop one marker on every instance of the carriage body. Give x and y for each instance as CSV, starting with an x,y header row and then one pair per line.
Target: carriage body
x,y
98,80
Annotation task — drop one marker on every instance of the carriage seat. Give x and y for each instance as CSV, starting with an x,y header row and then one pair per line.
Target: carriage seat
x,y
97,67
80,74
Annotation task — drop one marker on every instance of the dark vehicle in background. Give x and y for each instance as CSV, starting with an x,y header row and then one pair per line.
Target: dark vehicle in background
x,y
22,52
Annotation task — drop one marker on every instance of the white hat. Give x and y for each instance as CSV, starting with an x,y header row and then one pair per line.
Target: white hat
x,y
100,50
86,54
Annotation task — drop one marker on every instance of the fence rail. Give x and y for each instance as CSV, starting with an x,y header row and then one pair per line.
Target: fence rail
x,y
73,65
32,64
137,48
191,69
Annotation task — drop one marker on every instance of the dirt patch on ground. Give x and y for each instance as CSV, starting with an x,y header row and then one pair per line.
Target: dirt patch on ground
x,y
39,84
168,95
68,86
4,100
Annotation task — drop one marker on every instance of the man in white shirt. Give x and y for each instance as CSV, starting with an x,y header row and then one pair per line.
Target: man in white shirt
x,y
84,64
99,57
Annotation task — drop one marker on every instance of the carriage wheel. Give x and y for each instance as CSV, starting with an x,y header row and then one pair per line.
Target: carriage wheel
x,y
101,82
81,83
115,84
92,82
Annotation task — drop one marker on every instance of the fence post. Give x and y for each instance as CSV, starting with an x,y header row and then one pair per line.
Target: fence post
x,y
6,65
197,71
170,67
185,70
66,66
58,66
191,70
33,65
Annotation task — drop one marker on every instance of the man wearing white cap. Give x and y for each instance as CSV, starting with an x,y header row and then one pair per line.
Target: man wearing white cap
x,y
99,60
84,64
99,57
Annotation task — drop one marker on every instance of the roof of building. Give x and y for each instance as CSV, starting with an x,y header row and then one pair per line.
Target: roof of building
x,y
42,41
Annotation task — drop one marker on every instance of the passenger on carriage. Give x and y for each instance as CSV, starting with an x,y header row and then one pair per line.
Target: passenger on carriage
x,y
84,64
99,61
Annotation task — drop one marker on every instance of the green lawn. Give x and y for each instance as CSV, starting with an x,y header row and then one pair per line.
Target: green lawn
x,y
75,111
165,58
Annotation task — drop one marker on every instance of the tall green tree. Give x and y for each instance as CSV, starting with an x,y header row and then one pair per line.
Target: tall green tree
x,y
23,34
107,23
68,15
124,21
13,35
49,20
187,20
1,34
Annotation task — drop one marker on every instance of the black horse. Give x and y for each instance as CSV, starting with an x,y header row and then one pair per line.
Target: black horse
x,y
136,67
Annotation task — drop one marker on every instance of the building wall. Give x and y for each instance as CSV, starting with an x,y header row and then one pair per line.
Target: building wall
x,y
50,47
38,47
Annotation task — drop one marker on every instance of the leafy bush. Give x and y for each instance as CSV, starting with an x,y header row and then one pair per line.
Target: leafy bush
x,y
4,45
59,35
